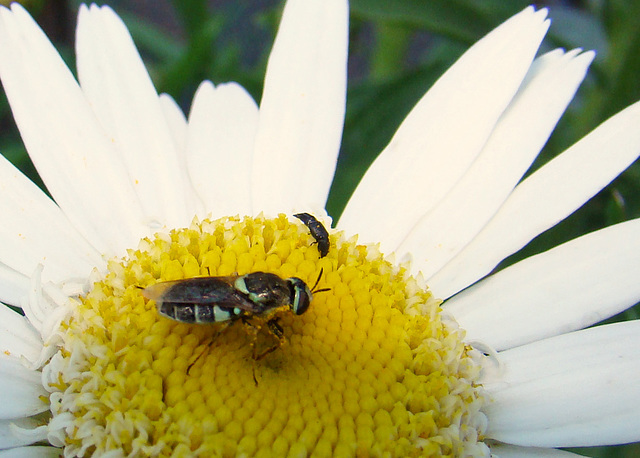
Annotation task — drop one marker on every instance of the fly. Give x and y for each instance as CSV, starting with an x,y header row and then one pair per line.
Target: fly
x,y
206,300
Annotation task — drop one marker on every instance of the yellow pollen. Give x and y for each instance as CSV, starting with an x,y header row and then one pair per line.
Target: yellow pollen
x,y
370,369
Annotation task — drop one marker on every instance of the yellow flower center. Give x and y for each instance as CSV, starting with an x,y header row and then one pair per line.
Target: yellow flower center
x,y
371,368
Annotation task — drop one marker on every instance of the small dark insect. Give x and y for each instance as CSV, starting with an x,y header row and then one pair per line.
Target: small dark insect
x,y
318,231
252,299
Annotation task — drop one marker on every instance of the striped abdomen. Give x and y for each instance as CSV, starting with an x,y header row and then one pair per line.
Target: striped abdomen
x,y
197,313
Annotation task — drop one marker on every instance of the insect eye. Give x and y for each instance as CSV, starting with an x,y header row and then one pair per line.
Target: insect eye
x,y
302,303
301,296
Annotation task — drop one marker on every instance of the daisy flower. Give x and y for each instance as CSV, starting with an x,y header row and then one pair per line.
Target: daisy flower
x,y
408,347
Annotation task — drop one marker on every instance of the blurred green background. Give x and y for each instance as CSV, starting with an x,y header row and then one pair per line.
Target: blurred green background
x,y
398,48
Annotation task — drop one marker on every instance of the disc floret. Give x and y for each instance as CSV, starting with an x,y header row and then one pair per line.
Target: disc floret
x,y
371,367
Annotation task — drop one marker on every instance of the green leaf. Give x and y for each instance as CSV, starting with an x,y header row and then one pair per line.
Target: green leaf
x,y
374,112
150,39
191,67
194,15
463,20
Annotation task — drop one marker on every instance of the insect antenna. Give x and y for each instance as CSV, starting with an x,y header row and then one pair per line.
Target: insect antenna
x,y
314,290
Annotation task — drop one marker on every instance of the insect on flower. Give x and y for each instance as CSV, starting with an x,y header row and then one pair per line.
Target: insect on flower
x,y
318,231
253,299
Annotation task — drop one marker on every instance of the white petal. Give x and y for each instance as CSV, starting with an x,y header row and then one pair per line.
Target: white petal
x,y
518,137
546,197
443,134
21,431
176,121
45,306
32,452
35,231
578,389
513,451
14,286
20,390
569,287
302,107
60,131
122,95
221,137
18,338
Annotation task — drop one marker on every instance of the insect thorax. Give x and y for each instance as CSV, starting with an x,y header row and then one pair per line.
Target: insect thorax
x,y
266,289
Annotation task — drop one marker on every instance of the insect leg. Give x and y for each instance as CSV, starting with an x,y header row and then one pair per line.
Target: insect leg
x,y
276,330
254,337
208,347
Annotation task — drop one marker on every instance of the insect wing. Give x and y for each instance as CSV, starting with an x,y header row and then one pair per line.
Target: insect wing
x,y
156,291
200,291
